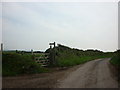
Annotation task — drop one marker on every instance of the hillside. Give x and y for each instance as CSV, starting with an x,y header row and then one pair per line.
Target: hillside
x,y
66,56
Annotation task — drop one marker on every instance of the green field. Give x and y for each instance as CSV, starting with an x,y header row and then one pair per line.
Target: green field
x,y
16,63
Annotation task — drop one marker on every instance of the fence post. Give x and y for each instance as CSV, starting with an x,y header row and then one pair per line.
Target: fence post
x,y
51,56
1,47
32,51
52,53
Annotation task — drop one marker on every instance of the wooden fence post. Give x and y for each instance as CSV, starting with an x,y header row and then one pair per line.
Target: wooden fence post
x,y
1,47
52,53
32,51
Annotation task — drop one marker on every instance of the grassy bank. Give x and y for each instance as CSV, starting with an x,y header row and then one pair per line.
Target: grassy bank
x,y
16,64
75,60
116,59
65,56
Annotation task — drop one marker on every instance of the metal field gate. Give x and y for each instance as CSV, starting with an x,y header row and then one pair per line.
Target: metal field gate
x,y
42,59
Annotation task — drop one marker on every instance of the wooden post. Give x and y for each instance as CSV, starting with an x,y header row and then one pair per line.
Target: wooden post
x,y
32,51
54,44
1,47
50,46
52,53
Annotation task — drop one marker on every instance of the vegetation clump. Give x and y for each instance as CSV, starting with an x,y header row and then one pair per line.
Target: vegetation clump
x,y
66,56
116,59
16,64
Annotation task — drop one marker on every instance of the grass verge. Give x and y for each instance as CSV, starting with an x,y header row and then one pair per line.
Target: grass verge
x,y
115,61
16,64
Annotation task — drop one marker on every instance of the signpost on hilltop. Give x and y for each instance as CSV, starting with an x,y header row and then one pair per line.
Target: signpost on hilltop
x,y
52,44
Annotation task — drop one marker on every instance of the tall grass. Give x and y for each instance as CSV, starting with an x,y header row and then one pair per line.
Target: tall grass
x,y
75,60
66,56
16,64
116,59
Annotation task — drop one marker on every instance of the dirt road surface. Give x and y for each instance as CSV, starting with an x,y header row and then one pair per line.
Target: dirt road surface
x,y
93,74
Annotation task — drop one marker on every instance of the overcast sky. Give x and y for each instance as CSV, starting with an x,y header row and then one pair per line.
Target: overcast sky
x,y
80,25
